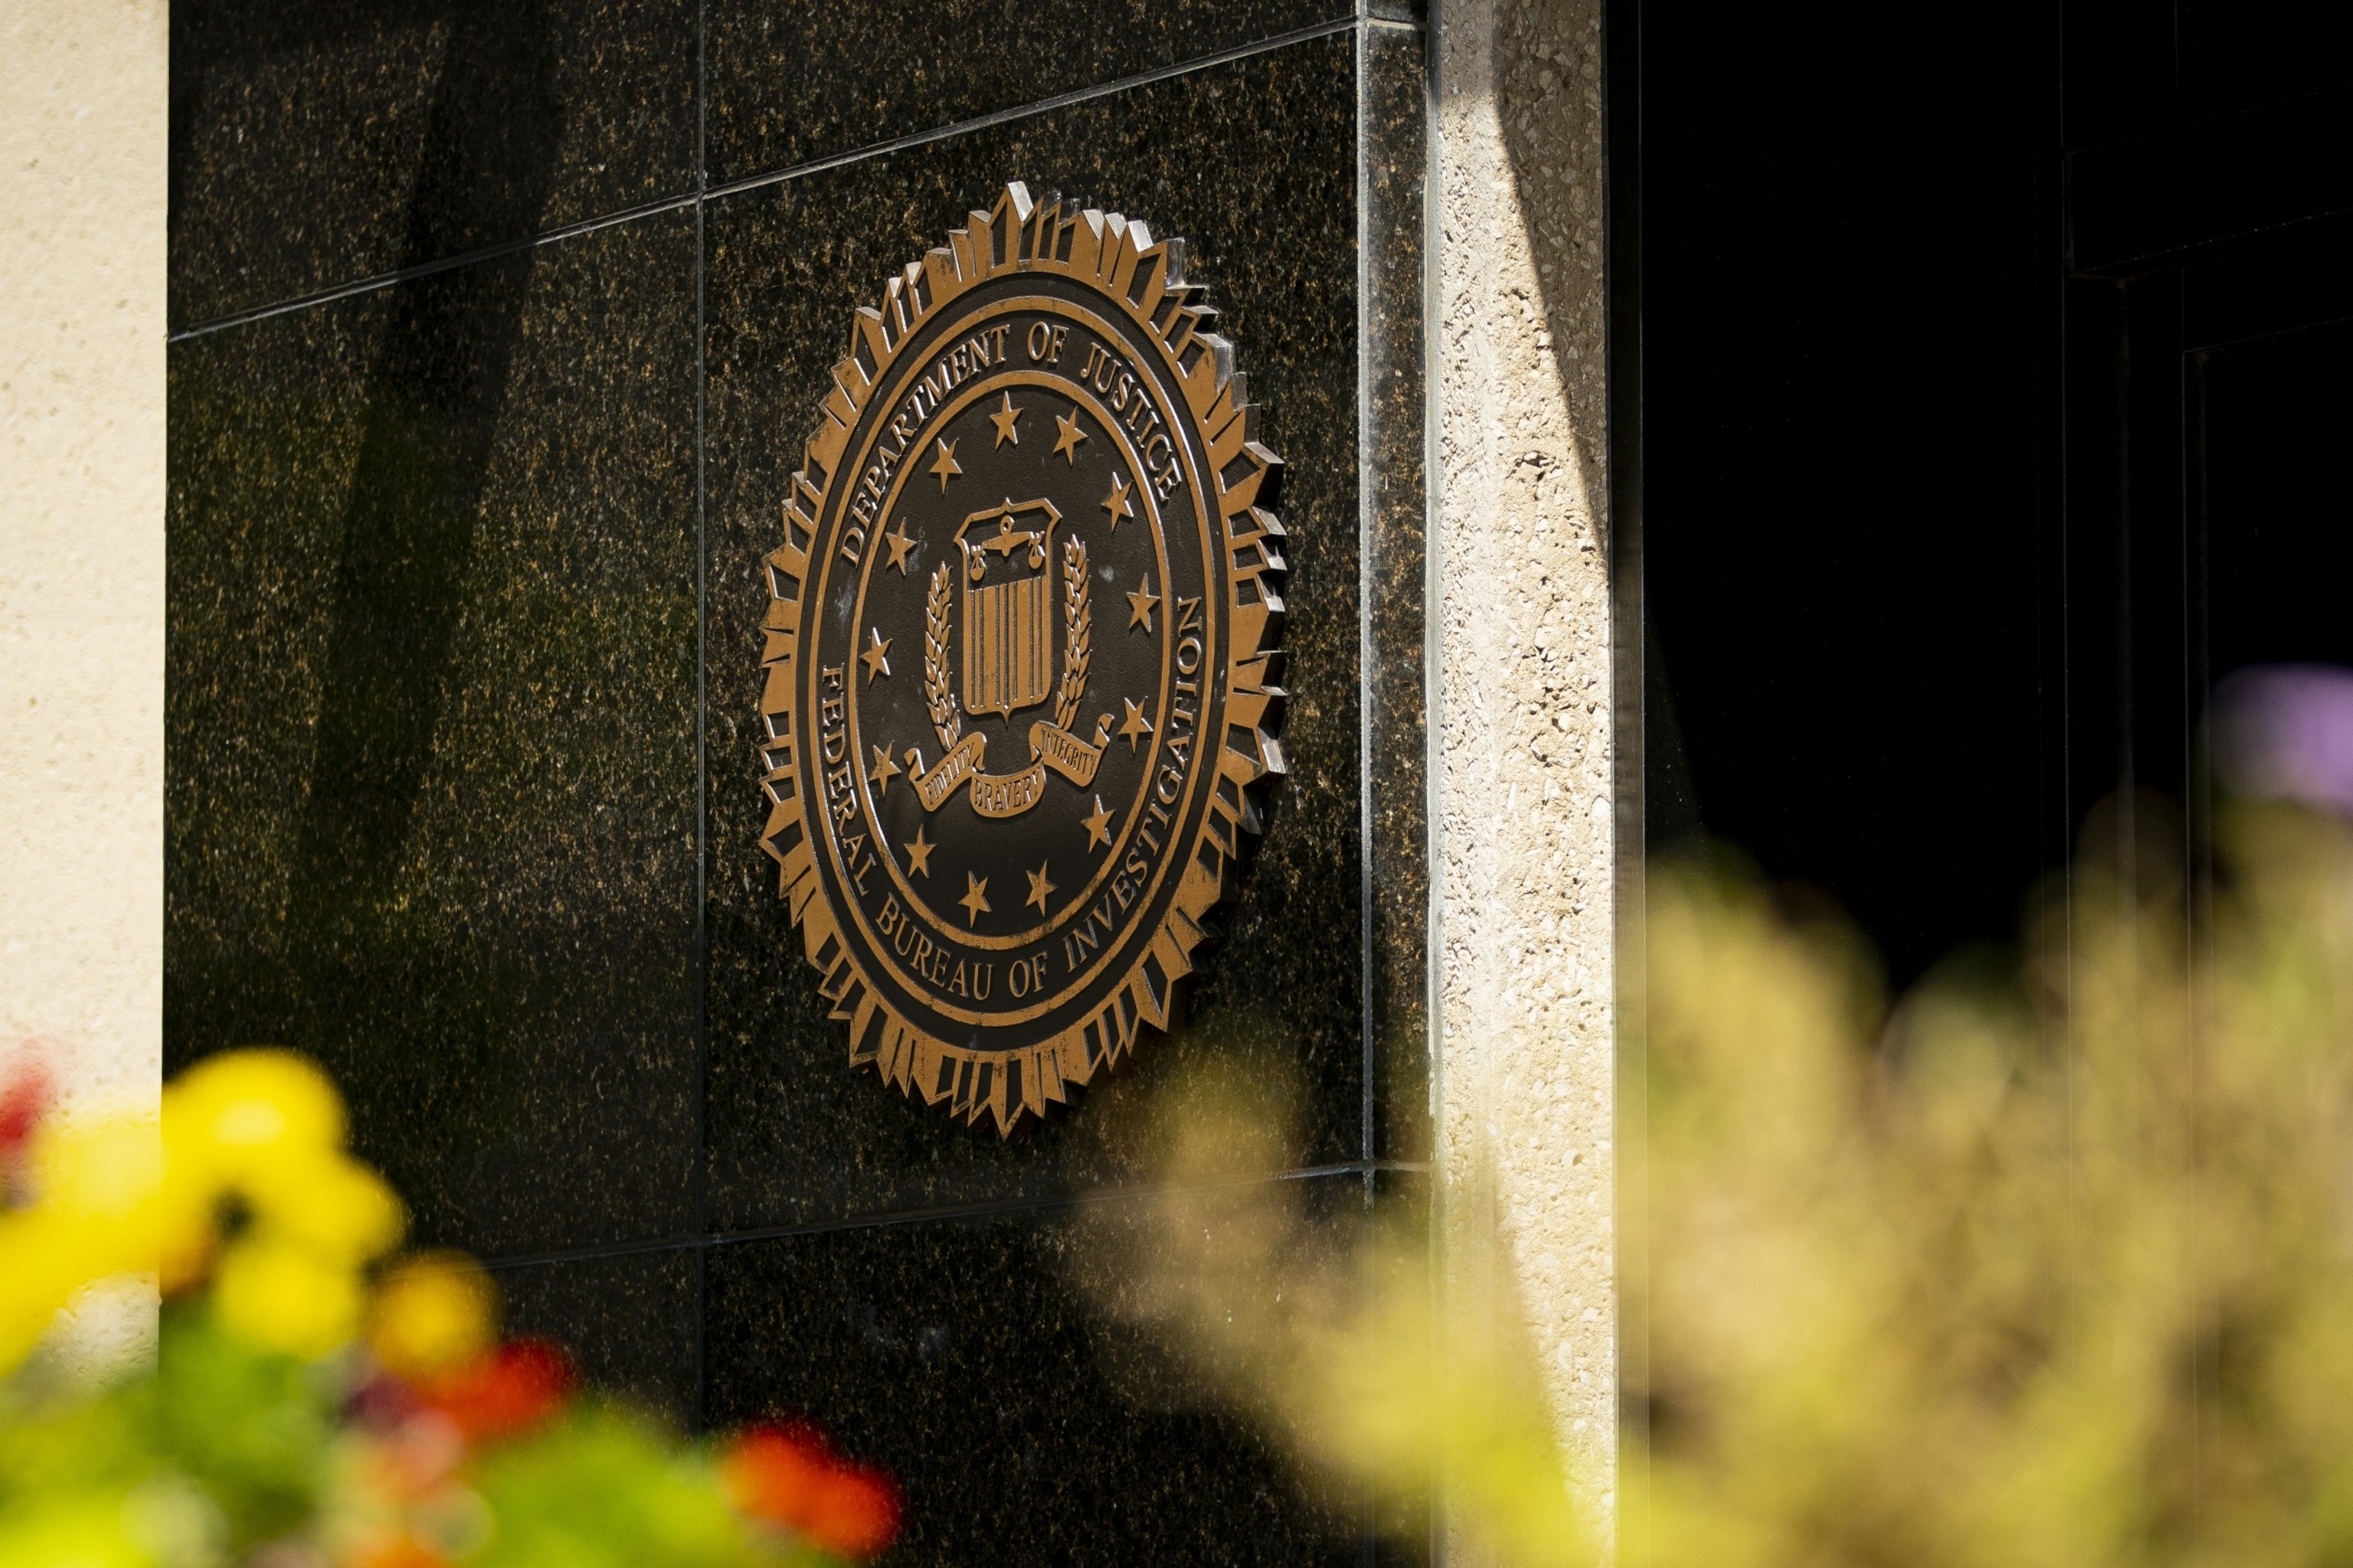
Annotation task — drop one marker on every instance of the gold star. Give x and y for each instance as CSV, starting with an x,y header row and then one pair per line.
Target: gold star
x,y
1119,504
1134,725
900,544
919,854
882,772
1139,605
1004,420
1067,443
876,665
1039,886
974,899
1098,826
946,463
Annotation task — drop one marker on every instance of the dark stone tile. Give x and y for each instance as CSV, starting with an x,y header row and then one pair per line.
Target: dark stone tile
x,y
795,1135
791,84
1395,516
631,1322
1024,1425
429,726
318,141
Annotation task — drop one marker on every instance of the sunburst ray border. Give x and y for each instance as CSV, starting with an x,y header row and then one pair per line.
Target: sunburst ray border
x,y
1119,259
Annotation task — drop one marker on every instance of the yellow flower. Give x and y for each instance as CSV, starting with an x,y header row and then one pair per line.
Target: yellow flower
x,y
283,1297
103,1179
41,1265
330,1203
235,1116
267,1125
434,1311
93,1215
186,1231
76,1530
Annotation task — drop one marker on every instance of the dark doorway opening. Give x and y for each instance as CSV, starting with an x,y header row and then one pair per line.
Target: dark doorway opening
x,y
1993,397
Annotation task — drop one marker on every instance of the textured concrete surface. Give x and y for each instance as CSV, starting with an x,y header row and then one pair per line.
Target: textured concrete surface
x,y
82,114
1523,736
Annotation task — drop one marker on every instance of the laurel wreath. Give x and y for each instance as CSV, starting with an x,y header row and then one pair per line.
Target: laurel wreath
x,y
1076,620
939,691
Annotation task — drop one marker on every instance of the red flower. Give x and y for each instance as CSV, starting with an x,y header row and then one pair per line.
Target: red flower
x,y
402,1551
789,1476
22,1098
517,1385
856,1514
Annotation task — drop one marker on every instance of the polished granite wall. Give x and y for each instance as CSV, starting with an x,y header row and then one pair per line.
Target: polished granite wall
x,y
497,326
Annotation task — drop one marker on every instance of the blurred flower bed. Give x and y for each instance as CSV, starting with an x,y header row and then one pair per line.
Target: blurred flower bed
x,y
2047,1263
314,1405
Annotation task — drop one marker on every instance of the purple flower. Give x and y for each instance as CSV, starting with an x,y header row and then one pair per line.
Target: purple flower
x,y
2285,732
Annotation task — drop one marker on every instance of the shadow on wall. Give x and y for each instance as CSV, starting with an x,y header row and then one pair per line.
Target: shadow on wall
x,y
381,425
1548,102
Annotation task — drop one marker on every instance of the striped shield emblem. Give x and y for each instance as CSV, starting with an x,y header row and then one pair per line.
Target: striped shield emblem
x,y
1009,645
1008,610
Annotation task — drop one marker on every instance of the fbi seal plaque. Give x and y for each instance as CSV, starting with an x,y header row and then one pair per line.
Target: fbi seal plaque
x,y
1021,705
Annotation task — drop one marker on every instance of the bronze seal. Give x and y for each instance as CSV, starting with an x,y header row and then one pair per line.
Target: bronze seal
x,y
1022,703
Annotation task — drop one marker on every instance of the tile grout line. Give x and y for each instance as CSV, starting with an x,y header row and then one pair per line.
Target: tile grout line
x,y
1368,1501
1366,675
1433,682
705,192
700,1372
431,268
984,1208
1044,106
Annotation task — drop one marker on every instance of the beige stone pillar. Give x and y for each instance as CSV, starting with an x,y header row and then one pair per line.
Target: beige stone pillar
x,y
1522,739
83,95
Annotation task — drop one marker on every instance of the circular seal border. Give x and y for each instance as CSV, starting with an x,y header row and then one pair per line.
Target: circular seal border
x,y
1118,262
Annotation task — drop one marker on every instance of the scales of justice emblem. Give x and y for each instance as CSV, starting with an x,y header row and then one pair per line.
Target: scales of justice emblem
x,y
1022,707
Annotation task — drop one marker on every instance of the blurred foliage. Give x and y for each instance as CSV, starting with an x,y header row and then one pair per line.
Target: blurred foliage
x,y
1323,1323
309,1407
2046,1267
2046,1262
2049,1262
